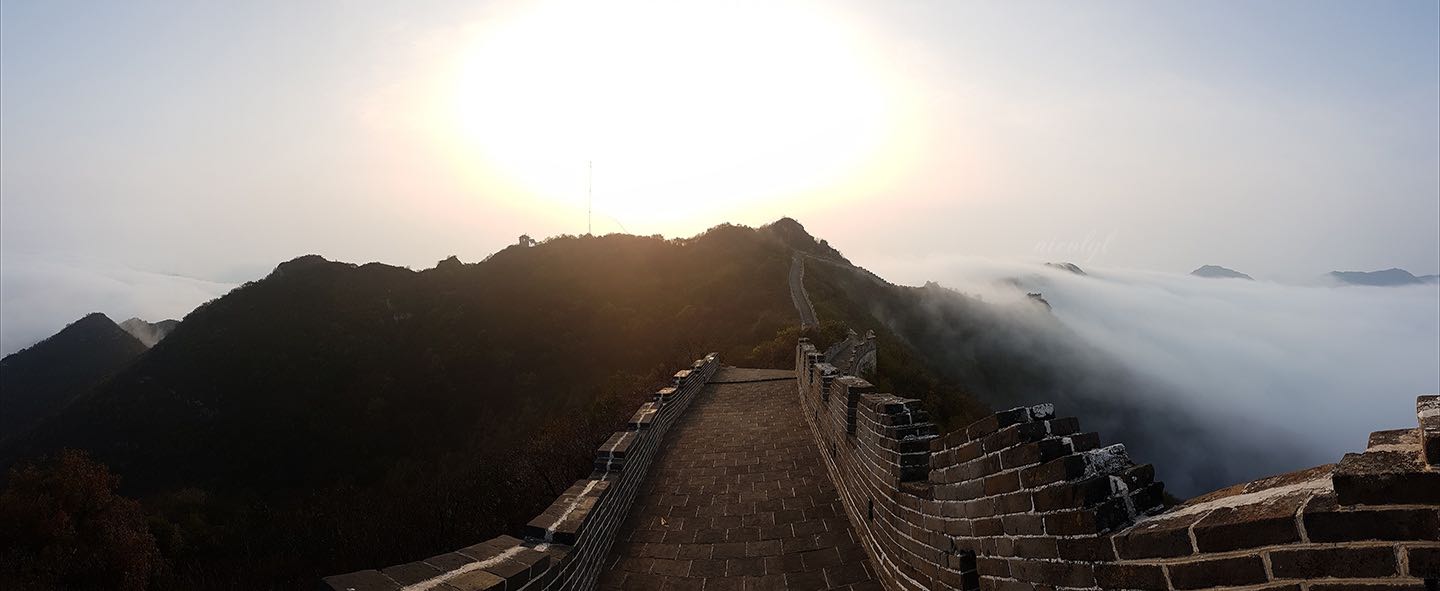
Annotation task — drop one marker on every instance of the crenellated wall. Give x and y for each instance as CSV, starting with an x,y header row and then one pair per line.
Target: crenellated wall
x,y
1024,499
563,547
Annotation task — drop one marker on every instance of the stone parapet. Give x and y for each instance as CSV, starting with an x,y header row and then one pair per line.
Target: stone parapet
x,y
1024,499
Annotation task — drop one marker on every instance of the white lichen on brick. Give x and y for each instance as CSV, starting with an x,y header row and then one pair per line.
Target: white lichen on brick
x,y
1042,411
1106,460
1319,485
1119,488
574,504
440,579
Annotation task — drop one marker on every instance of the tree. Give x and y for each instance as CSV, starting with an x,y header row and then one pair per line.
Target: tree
x,y
63,526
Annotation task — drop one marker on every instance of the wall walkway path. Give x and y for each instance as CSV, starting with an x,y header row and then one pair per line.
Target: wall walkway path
x,y
739,499
798,294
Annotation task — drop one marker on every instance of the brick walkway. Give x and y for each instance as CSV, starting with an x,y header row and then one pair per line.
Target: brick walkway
x,y
739,500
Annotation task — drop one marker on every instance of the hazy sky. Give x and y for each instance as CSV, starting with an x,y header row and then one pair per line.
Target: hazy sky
x,y
212,140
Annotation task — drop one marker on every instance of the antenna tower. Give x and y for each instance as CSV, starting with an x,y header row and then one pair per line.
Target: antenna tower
x,y
589,194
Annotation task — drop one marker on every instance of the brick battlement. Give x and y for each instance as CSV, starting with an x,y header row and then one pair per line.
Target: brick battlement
x,y
1024,499
565,546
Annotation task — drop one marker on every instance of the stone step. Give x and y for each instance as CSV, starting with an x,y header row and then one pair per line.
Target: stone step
x,y
1397,466
1427,410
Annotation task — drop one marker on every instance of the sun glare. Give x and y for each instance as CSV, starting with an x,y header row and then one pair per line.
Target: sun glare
x,y
674,104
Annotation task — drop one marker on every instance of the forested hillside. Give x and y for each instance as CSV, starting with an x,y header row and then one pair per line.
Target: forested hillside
x,y
43,378
331,416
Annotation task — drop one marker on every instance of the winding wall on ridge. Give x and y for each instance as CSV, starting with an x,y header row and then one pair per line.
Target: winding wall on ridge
x,y
1024,500
1021,499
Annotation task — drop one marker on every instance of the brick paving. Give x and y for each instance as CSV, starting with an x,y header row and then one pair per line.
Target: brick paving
x,y
739,500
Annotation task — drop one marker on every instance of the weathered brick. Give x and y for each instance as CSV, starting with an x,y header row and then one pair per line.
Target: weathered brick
x,y
965,453
1148,498
1386,478
1424,561
365,580
514,572
1062,426
1103,517
1023,524
1131,576
1000,484
477,580
1334,562
996,422
1022,455
449,561
992,567
1073,495
1054,573
1017,502
1218,572
411,572
988,527
1085,548
1014,435
978,468
1427,410
1036,547
1162,537
1057,470
1327,521
1254,525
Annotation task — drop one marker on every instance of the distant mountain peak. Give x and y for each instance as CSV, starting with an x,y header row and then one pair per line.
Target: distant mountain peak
x,y
1071,267
1388,277
793,234
40,379
149,333
451,262
1218,272
88,321
303,263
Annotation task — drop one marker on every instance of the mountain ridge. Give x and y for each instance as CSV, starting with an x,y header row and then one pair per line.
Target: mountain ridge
x,y
334,416
1383,278
43,378
1218,272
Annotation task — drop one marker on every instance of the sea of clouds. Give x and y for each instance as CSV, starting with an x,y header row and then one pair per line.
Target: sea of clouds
x,y
1259,377
39,296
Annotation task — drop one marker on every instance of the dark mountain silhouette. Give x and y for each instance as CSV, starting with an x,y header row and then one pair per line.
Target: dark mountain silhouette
x,y
149,333
1218,272
1071,267
1387,277
334,416
792,234
39,380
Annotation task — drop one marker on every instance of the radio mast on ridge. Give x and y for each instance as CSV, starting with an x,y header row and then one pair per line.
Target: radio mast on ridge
x,y
589,193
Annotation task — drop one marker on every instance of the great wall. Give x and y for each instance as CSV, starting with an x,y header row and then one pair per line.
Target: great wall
x,y
810,479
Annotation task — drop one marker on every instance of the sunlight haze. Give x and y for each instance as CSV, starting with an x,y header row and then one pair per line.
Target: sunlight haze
x,y
214,141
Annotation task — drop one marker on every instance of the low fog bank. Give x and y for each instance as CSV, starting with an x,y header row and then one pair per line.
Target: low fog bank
x,y
38,297
1215,380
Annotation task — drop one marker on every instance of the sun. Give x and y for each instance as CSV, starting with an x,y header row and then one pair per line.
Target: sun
x,y
683,109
